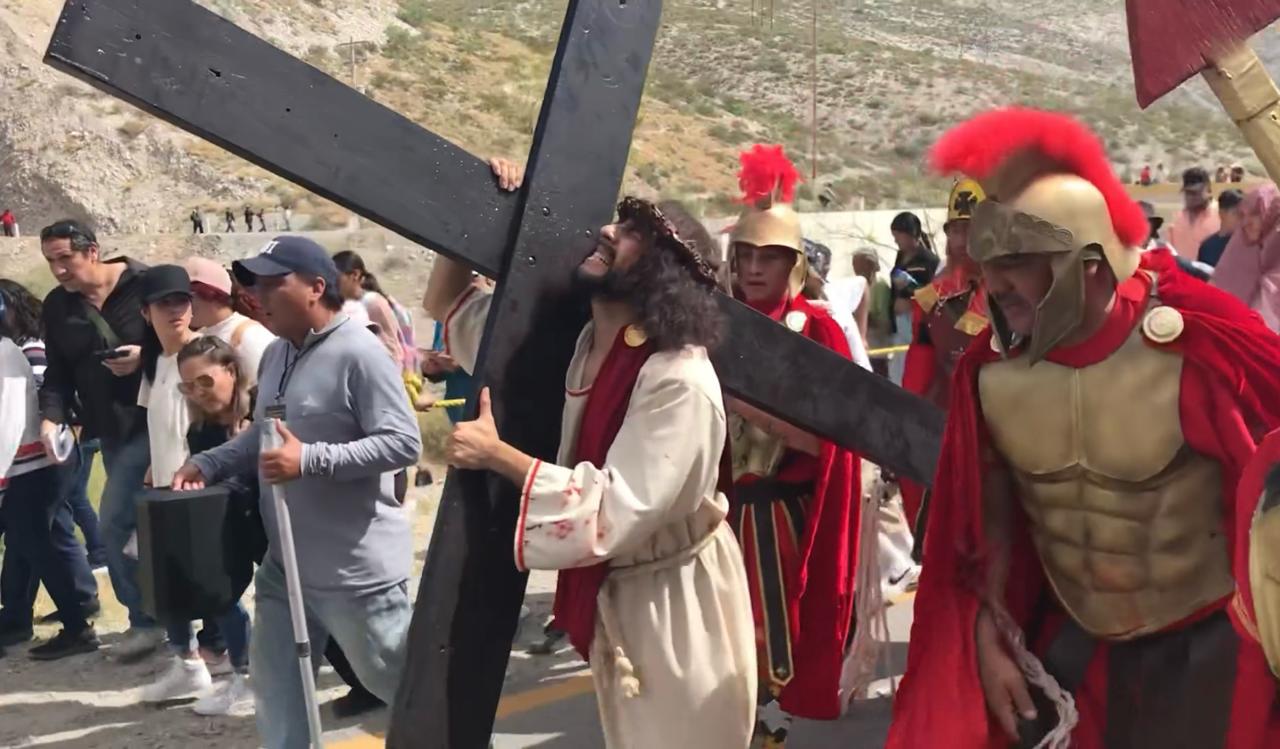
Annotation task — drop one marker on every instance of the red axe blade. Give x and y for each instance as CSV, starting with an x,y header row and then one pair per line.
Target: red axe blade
x,y
1172,40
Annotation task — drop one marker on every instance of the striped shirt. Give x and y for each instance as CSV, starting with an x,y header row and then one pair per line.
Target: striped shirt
x,y
34,351
20,421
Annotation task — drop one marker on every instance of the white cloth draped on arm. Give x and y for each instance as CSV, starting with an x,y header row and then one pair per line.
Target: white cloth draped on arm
x,y
464,326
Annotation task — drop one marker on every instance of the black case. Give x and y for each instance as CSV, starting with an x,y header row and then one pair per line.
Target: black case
x,y
185,566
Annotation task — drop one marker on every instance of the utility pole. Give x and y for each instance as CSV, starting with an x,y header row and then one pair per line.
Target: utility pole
x,y
351,45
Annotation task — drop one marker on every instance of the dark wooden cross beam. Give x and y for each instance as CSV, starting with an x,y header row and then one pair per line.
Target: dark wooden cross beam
x,y
198,71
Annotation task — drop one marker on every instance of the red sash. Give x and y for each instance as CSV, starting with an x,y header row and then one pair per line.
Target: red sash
x,y
578,588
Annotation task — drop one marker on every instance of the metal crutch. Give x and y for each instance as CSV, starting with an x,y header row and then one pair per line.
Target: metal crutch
x,y
271,440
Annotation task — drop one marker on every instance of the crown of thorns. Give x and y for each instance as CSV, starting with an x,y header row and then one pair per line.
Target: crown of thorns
x,y
646,215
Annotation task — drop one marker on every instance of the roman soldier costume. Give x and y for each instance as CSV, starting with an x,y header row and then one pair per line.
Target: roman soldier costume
x,y
1086,496
947,313
794,513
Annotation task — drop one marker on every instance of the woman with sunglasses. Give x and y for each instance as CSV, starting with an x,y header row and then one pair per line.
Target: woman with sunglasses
x,y
220,395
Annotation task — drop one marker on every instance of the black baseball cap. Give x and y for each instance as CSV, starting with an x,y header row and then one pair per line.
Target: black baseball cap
x,y
284,255
160,281
1195,177
1154,221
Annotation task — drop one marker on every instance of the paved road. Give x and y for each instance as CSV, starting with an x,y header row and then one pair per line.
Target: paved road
x,y
553,708
548,702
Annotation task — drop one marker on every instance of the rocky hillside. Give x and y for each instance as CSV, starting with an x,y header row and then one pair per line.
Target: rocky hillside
x,y
891,74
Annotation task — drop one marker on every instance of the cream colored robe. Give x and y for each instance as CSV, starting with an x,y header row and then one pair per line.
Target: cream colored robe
x,y
675,604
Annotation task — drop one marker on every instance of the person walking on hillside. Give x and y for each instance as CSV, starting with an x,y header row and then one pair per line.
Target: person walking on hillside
x,y
248,218
94,330
262,222
8,223
197,221
231,221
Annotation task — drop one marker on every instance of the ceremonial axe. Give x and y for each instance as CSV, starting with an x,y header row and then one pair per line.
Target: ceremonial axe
x,y
1172,40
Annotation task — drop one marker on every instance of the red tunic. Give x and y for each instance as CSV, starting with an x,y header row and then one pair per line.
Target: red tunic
x,y
1230,398
924,369
816,542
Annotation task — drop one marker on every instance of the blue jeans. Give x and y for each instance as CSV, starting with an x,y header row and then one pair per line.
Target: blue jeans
x,y
233,626
42,547
370,627
901,336
82,510
126,465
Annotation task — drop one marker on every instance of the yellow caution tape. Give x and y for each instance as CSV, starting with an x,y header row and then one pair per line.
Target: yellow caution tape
x,y
888,350
451,403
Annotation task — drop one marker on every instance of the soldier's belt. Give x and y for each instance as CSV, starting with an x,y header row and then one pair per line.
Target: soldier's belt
x,y
770,490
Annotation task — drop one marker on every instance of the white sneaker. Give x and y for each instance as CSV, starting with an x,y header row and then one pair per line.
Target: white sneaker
x,y
234,698
219,665
904,582
183,678
138,643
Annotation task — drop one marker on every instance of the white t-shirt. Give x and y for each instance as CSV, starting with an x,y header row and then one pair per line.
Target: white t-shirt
x,y
354,309
844,295
254,339
168,418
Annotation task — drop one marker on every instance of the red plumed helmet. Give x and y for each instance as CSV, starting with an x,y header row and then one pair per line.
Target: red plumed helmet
x,y
767,173
1007,149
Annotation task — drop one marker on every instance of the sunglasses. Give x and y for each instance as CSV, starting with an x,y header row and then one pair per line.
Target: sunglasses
x,y
203,382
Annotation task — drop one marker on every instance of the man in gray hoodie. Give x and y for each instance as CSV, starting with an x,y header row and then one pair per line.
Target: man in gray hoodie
x,y
347,429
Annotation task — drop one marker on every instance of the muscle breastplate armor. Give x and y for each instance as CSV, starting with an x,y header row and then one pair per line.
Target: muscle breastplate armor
x,y
1126,518
755,451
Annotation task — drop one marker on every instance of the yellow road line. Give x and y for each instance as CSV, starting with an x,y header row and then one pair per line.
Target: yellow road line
x,y
536,698
902,598
359,742
521,702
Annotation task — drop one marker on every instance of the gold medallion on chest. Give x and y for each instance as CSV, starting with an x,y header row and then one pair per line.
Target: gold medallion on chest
x,y
634,336
1163,325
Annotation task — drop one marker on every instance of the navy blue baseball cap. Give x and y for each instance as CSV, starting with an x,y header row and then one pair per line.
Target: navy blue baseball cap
x,y
284,255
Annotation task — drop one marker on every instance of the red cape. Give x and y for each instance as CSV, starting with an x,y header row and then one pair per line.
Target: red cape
x,y
1230,399
822,593
830,556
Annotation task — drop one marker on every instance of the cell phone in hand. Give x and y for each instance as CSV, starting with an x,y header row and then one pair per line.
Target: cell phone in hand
x,y
111,353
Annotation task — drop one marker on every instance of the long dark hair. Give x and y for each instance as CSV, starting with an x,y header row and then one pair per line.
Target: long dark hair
x,y
21,320
909,223
151,351
348,261
675,310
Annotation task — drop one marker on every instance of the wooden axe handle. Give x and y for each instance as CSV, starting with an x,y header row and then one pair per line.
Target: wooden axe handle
x,y
1239,80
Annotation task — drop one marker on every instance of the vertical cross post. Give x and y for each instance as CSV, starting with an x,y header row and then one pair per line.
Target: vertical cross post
x,y
470,595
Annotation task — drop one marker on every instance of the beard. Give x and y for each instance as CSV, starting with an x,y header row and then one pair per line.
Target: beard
x,y
615,285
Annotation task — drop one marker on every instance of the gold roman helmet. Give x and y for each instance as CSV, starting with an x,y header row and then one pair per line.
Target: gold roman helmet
x,y
768,181
1051,191
966,194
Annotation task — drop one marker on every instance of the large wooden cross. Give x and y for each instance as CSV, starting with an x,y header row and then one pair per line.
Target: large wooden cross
x,y
200,72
